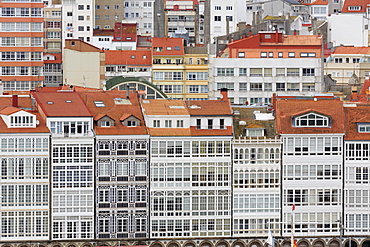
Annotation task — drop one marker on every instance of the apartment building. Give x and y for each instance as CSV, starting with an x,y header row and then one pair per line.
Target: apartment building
x,y
70,124
349,65
53,27
122,165
141,12
24,177
181,19
255,67
108,13
78,20
21,46
180,72
136,63
256,173
190,186
53,75
312,131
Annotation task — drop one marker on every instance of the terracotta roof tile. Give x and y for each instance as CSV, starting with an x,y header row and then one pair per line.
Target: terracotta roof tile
x,y
9,110
356,115
349,3
114,111
210,107
168,42
286,108
62,104
136,57
351,50
254,126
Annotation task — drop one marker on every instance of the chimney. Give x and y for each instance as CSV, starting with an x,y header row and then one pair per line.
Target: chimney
x,y
127,91
224,93
295,32
354,95
15,100
277,37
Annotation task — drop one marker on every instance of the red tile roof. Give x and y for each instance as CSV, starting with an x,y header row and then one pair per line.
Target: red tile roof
x,y
24,103
350,3
58,58
114,111
168,45
352,50
210,108
286,108
61,104
356,115
103,32
135,57
8,110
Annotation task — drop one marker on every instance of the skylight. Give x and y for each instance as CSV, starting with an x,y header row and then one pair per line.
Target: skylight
x,y
99,103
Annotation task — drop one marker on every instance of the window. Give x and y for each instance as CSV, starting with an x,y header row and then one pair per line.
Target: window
x,y
364,128
156,123
355,8
308,72
217,18
311,120
80,7
222,123
105,123
210,123
106,6
81,28
225,71
291,54
242,71
229,7
256,86
81,18
280,54
355,60
69,13
338,60
168,123
263,54
241,54
292,71
280,71
131,123
271,54
255,72
254,132
249,8
97,6
180,123
230,18
199,123
217,7
280,86
107,17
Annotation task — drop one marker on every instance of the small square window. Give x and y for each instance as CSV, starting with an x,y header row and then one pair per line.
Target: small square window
x,y
177,48
69,13
241,54
80,7
133,56
291,54
280,54
169,48
263,54
81,18
271,54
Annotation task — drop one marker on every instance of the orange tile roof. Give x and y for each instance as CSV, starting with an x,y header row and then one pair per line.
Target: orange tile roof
x,y
210,107
254,126
286,108
356,115
23,102
103,32
61,104
352,50
164,107
114,111
348,3
168,42
134,57
8,110
125,116
58,58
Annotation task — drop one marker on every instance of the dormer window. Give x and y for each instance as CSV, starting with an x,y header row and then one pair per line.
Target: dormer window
x,y
21,121
363,128
254,130
311,120
131,123
105,123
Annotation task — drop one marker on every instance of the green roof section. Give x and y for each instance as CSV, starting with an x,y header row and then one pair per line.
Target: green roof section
x,y
120,80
